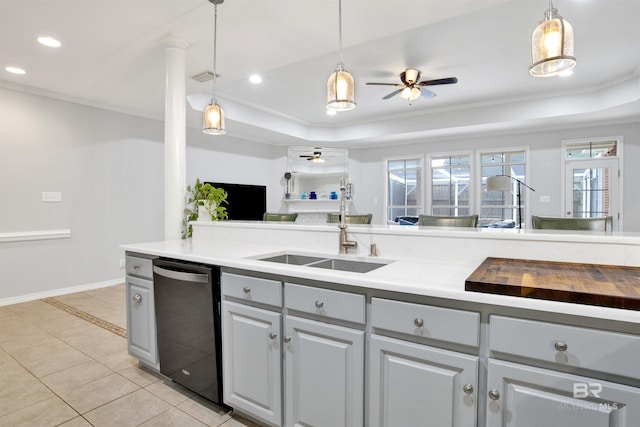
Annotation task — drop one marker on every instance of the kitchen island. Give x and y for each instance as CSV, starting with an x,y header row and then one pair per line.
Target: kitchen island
x,y
418,325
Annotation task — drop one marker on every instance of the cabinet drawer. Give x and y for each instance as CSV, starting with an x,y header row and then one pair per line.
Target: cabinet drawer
x,y
138,266
325,302
253,289
571,346
418,320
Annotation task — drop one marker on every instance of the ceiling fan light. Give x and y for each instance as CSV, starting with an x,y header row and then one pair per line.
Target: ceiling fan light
x,y
552,46
213,120
340,91
410,93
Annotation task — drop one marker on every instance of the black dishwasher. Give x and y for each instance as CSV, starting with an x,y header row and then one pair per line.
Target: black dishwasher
x,y
187,303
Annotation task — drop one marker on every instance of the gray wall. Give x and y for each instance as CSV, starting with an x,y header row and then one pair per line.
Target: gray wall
x,y
109,168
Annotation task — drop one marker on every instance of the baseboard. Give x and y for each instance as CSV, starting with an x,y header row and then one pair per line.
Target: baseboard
x,y
57,292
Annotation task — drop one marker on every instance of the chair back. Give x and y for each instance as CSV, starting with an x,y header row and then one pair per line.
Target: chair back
x,y
448,221
562,223
350,219
279,216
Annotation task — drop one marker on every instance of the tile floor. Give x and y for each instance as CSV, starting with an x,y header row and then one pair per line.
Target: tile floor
x,y
58,369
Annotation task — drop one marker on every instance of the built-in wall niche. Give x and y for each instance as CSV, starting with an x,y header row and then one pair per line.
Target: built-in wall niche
x,y
315,172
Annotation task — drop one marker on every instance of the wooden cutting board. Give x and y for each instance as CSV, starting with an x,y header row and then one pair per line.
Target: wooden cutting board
x,y
594,284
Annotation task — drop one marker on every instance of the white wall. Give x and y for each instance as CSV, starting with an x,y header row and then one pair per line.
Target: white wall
x,y
227,159
109,168
544,164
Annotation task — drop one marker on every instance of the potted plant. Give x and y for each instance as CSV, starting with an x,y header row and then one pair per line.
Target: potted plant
x,y
204,203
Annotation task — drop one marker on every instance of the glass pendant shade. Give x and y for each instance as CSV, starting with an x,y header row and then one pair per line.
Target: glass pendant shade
x,y
410,93
213,116
340,91
552,46
213,120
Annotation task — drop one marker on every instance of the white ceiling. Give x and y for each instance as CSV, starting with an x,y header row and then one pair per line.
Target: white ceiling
x,y
113,57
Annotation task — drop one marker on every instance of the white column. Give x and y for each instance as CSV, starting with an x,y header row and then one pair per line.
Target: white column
x,y
175,145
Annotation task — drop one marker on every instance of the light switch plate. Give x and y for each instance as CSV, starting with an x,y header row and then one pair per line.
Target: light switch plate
x,y
51,196
545,199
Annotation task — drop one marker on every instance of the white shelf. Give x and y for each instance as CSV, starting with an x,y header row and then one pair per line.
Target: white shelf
x,y
313,205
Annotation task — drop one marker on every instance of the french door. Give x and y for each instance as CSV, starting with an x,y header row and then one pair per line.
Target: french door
x,y
591,189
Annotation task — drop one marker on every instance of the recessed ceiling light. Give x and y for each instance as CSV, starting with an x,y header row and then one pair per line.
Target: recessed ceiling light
x,y
255,79
331,112
15,70
49,41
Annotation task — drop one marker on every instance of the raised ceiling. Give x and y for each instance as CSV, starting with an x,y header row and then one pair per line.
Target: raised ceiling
x,y
113,57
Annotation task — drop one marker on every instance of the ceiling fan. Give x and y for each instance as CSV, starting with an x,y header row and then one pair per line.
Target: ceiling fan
x,y
316,157
411,88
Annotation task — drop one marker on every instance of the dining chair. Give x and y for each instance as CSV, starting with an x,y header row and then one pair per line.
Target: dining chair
x,y
448,221
279,216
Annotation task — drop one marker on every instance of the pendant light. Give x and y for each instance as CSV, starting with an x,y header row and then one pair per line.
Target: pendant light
x,y
552,46
213,117
340,87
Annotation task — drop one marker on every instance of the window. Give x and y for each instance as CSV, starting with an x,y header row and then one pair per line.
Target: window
x,y
450,184
404,188
496,206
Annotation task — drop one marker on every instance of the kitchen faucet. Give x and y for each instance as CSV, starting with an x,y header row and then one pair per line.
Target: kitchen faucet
x,y
344,243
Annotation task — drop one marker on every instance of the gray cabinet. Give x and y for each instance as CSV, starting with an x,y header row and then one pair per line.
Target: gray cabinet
x,y
141,318
251,346
324,371
552,375
252,361
525,396
411,381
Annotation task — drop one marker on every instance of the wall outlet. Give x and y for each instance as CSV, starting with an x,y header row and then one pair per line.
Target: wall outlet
x,y
51,196
122,263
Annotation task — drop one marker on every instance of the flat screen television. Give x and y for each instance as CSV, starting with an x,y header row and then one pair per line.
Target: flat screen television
x,y
245,202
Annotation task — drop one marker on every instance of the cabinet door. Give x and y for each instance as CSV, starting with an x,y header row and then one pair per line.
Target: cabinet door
x,y
417,385
324,374
141,321
523,396
251,361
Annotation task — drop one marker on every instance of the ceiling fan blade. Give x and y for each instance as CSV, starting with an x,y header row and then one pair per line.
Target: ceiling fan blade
x,y
392,94
386,84
427,93
446,81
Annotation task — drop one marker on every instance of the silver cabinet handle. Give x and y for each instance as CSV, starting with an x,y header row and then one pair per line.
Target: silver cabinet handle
x,y
136,267
137,298
560,346
273,335
494,394
246,289
467,388
319,303
418,322
287,339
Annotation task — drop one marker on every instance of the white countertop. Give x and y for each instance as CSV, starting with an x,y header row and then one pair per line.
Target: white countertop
x,y
441,278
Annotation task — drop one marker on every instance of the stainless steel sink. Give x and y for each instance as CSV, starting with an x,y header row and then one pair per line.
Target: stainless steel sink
x,y
348,265
329,263
293,259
